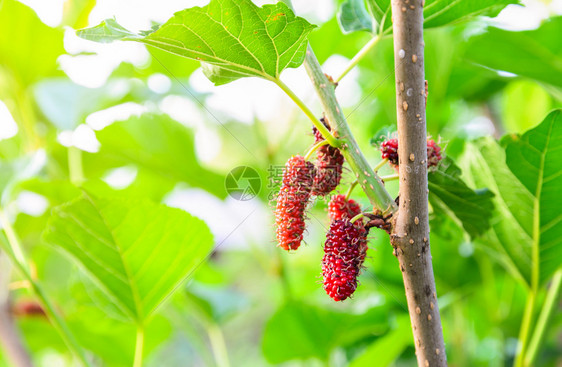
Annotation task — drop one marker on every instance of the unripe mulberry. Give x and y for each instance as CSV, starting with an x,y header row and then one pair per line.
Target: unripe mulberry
x,y
293,197
389,150
328,166
344,253
433,153
341,208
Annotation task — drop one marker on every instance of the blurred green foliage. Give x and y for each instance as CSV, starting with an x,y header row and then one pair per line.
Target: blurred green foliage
x,y
249,304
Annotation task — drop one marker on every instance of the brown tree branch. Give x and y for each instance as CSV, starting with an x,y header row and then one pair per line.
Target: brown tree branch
x,y
410,237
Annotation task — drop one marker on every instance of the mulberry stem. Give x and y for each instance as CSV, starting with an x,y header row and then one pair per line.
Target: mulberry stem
x,y
314,149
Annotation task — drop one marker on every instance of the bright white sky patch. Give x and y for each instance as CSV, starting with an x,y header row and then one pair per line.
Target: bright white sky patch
x,y
100,119
8,126
32,203
93,70
49,11
122,177
83,137
529,16
479,126
159,83
225,217
348,91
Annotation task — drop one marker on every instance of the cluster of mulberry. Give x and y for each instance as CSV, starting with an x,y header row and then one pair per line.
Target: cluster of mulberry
x,y
344,253
301,179
296,187
389,150
345,248
329,164
433,153
340,208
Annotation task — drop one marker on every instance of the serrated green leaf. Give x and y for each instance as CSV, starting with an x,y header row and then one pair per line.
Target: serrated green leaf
x,y
437,13
159,145
107,31
448,194
237,36
314,332
510,237
535,54
353,16
535,158
137,252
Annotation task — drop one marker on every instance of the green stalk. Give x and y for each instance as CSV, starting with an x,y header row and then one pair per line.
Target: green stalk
x,y
317,123
26,118
350,190
527,321
325,89
75,169
525,328
357,217
361,54
218,345
544,317
370,182
380,165
390,177
14,251
137,362
315,148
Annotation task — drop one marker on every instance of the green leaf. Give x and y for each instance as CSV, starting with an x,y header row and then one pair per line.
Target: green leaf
x,y
524,104
383,134
510,237
21,31
535,54
76,12
161,146
315,332
106,32
386,349
450,196
353,16
438,13
237,36
535,158
67,104
138,252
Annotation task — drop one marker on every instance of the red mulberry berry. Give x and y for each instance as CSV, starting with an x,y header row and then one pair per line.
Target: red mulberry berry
x,y
341,208
328,166
344,253
389,150
433,153
28,308
291,202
